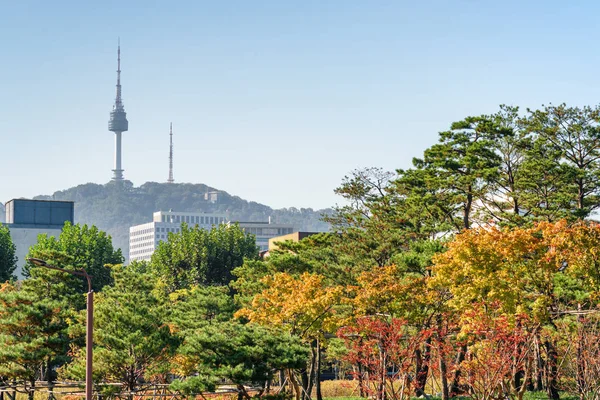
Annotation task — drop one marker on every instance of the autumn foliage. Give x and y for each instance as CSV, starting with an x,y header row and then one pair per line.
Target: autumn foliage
x,y
383,351
486,319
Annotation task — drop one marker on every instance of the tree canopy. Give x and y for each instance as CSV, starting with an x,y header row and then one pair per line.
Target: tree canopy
x,y
8,259
78,246
474,273
199,256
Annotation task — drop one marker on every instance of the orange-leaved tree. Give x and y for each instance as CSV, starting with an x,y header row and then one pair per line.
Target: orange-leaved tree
x,y
303,306
393,293
520,270
499,348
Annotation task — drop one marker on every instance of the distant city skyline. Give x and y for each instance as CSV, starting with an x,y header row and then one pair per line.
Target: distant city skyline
x,y
272,101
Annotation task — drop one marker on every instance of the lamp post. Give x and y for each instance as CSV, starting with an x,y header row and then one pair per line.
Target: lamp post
x,y
89,320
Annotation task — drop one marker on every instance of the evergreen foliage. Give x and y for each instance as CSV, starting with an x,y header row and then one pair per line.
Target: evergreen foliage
x,y
131,340
32,333
8,259
213,346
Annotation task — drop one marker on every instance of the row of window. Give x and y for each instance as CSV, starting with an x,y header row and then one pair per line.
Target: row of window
x,y
143,231
255,231
134,253
269,231
140,245
159,229
193,219
134,239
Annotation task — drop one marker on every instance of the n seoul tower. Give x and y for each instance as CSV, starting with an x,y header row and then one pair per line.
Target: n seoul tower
x,y
118,122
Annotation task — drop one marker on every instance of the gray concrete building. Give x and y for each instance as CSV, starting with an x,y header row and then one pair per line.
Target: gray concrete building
x,y
26,219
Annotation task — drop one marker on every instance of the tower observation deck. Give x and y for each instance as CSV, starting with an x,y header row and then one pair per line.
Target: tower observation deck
x,y
118,122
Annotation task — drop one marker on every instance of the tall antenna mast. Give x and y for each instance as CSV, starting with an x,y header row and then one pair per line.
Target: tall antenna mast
x,y
118,100
171,180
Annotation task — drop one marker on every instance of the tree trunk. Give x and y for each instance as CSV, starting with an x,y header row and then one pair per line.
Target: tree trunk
x,y
304,382
580,194
131,383
552,389
294,384
311,372
318,372
443,374
460,357
31,391
526,377
383,376
14,390
581,385
518,372
539,365
49,380
467,212
422,360
281,380
242,393
361,388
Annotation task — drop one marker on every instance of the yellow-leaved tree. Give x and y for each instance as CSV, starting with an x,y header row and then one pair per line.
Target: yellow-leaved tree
x,y
299,305
539,271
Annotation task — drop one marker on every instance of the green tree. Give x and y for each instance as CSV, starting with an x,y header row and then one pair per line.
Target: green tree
x,y
198,256
63,291
503,203
8,259
546,185
242,354
199,306
575,132
214,347
32,334
371,227
455,173
131,339
79,246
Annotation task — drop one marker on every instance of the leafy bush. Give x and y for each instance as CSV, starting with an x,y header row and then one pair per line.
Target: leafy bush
x,y
339,388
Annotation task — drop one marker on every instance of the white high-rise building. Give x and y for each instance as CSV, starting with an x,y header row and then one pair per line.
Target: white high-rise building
x,y
144,238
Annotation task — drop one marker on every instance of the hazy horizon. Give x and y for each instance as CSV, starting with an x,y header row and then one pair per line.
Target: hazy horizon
x,y
270,101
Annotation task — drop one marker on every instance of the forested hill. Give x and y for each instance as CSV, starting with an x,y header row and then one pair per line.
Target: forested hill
x,y
114,207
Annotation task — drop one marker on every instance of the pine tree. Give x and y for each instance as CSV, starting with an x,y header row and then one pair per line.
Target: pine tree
x,y
32,333
131,339
8,259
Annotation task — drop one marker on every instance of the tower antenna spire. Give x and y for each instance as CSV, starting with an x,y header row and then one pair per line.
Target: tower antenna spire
x,y
171,180
118,100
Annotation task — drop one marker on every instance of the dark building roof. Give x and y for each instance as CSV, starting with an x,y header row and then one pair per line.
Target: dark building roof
x,y
50,213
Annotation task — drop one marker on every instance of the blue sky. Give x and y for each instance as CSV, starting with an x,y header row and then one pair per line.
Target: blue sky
x,y
271,100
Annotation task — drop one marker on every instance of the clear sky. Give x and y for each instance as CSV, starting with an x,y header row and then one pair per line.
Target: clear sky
x,y
271,100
